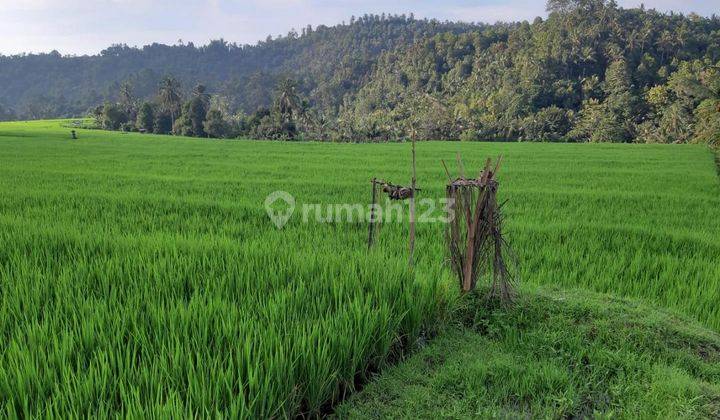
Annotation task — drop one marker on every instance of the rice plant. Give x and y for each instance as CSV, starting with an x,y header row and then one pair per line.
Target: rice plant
x,y
141,276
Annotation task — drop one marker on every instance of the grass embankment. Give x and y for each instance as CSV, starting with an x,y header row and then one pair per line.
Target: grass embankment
x,y
140,275
554,355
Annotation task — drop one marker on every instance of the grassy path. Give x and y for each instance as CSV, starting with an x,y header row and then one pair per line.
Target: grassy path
x,y
555,355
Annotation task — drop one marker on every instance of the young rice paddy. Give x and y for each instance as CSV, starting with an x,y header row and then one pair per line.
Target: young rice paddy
x,y
141,275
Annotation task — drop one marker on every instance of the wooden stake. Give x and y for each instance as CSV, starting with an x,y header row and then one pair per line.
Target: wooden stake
x,y
412,207
470,250
461,167
372,214
485,177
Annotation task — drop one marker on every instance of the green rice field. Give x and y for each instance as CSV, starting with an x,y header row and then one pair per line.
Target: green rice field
x,y
141,276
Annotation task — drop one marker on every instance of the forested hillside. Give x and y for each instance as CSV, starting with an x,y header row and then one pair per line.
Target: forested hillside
x,y
329,60
591,71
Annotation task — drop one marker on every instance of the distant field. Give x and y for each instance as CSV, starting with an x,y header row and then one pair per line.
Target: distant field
x,y
141,273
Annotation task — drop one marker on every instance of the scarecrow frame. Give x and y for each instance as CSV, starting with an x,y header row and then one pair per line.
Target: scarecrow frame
x,y
474,233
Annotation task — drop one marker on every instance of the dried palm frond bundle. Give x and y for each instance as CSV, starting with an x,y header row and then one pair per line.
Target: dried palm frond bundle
x,y
474,233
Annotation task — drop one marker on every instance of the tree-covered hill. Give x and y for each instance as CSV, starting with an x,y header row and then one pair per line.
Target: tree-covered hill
x,y
591,71
329,60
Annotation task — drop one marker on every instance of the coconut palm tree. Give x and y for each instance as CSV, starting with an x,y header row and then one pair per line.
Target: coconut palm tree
x,y
288,102
170,96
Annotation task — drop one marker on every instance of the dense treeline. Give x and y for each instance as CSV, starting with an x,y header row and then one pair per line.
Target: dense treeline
x,y
591,71
203,115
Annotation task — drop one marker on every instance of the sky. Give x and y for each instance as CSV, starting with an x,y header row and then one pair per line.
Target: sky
x,y
89,26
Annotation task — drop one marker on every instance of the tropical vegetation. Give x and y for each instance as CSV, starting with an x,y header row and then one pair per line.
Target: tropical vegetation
x,y
589,72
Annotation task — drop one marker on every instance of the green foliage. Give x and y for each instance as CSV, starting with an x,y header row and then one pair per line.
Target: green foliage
x,y
707,128
585,74
333,60
170,96
128,127
127,102
676,124
163,123
371,79
593,116
113,116
273,126
284,121
191,120
548,124
216,126
146,117
287,102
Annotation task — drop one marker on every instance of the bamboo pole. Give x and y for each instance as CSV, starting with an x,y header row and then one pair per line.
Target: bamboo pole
x,y
372,213
412,206
485,176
